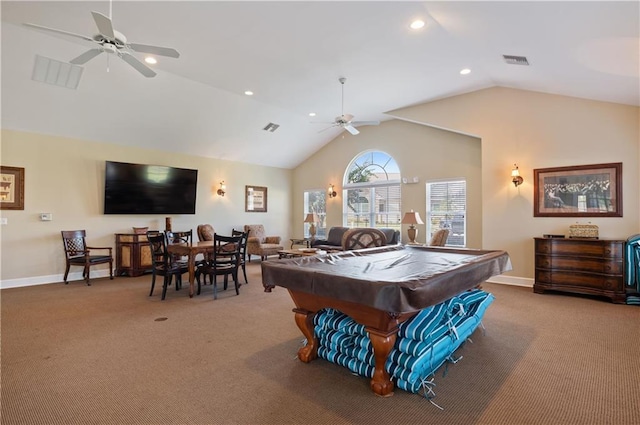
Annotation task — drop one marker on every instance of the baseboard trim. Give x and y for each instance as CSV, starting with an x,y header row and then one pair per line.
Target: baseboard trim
x,y
44,280
512,280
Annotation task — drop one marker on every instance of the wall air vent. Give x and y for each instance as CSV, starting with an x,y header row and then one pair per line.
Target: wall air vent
x,y
516,60
271,127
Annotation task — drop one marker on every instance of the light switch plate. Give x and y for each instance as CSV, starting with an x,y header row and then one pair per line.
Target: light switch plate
x,y
46,217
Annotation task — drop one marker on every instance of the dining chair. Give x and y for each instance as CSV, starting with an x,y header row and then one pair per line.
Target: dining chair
x,y
163,263
243,251
225,261
182,237
77,253
185,237
205,233
362,237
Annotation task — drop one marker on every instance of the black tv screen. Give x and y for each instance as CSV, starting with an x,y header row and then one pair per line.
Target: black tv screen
x,y
149,189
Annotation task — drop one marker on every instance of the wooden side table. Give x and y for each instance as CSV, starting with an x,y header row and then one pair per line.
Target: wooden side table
x,y
300,241
133,254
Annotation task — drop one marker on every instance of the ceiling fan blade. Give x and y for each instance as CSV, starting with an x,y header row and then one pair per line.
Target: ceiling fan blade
x,y
154,50
325,129
142,68
86,57
69,34
359,123
351,129
105,27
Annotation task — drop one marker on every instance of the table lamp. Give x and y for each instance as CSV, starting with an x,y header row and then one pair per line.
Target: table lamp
x,y
412,218
311,218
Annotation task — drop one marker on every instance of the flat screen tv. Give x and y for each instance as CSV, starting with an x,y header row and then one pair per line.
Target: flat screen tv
x,y
149,189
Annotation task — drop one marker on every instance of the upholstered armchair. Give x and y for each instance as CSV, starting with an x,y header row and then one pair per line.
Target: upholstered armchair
x,y
439,238
205,232
260,244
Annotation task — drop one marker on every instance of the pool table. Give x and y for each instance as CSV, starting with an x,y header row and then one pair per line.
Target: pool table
x,y
378,288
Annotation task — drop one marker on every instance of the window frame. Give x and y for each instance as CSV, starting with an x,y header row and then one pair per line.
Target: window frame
x,y
321,225
450,216
372,217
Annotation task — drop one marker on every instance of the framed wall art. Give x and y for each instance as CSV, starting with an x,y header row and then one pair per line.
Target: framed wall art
x,y
578,191
11,188
255,199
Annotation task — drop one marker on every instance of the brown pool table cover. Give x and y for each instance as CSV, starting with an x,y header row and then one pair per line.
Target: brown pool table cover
x,y
395,279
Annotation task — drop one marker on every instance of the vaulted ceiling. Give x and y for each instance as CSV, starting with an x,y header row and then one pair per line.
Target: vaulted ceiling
x,y
291,54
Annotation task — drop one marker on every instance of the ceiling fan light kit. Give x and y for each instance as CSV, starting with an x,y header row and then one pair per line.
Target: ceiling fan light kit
x,y
108,40
345,121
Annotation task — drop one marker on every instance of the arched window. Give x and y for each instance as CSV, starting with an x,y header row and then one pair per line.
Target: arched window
x,y
371,191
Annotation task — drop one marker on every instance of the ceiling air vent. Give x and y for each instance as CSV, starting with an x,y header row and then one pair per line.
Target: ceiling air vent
x,y
51,71
271,127
516,60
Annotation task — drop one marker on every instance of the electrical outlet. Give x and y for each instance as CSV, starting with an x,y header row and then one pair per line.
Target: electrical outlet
x,y
3,220
46,217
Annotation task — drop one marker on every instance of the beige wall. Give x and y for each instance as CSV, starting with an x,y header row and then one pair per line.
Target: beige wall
x,y
420,151
534,130
65,177
539,130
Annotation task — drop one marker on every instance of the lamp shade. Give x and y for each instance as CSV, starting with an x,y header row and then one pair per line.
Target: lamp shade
x,y
311,218
412,218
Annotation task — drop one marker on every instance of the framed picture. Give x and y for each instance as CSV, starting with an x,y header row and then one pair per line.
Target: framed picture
x,y
255,199
580,191
11,188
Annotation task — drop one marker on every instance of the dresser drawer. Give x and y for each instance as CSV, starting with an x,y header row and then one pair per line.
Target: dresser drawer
x,y
586,280
583,248
587,264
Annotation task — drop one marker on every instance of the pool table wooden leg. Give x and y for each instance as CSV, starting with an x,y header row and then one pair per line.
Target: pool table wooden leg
x,y
304,320
382,342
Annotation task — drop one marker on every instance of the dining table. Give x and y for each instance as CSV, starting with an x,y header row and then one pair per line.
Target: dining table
x,y
191,251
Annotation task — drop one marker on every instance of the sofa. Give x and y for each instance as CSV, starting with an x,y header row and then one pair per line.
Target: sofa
x,y
335,235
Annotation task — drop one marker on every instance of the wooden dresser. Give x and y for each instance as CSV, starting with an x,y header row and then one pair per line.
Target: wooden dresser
x,y
133,254
585,266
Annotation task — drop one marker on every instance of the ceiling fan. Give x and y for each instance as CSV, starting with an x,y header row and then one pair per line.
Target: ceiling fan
x,y
346,120
109,40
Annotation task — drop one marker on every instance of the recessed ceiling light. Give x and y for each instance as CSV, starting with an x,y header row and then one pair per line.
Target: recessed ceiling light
x,y
312,114
249,93
150,60
465,71
417,24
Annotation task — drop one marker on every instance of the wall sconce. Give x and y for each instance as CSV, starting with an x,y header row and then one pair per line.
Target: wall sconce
x,y
223,188
331,191
515,174
412,218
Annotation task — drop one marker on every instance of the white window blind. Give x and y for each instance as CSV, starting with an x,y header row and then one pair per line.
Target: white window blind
x,y
375,206
447,209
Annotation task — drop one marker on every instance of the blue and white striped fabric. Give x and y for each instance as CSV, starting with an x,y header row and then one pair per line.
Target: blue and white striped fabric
x,y
424,343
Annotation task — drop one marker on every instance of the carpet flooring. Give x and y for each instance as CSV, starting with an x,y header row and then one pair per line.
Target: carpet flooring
x,y
110,354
